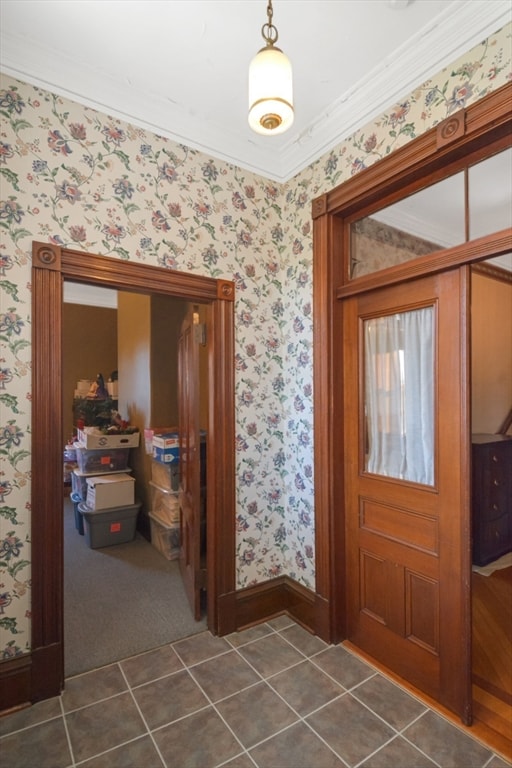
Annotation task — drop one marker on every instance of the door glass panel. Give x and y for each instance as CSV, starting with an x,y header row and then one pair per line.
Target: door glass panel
x,y
490,195
399,395
428,221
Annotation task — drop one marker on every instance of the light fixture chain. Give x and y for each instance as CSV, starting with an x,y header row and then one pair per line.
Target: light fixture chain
x,y
268,31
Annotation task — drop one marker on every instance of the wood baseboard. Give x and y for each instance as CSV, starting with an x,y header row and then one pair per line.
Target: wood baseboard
x,y
269,599
26,679
30,678
15,683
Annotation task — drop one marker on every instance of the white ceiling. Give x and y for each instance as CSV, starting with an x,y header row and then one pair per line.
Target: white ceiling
x,y
179,67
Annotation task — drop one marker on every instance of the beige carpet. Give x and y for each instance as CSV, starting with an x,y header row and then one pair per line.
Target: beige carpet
x,y
119,600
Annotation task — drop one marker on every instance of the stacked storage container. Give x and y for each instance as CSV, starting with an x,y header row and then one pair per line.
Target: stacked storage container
x,y
164,486
102,488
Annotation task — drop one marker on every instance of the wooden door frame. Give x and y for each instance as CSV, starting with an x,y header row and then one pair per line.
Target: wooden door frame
x,y
51,266
463,139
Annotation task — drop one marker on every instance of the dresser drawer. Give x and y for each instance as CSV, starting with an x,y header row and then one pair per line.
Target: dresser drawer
x,y
495,539
491,497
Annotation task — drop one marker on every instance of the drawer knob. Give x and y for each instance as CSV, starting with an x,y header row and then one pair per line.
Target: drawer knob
x,y
495,458
496,482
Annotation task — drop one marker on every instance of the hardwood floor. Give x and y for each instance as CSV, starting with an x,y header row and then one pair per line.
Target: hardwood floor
x,y
492,656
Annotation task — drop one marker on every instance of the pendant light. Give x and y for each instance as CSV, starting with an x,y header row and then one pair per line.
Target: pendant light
x,y
270,85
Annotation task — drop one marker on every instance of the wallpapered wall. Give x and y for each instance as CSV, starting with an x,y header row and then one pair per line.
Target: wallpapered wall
x,y
76,177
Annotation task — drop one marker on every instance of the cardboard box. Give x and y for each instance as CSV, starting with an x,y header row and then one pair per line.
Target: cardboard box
x,y
105,527
166,455
166,440
149,434
92,437
79,481
104,491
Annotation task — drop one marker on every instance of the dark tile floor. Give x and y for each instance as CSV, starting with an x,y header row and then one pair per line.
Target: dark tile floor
x,y
273,697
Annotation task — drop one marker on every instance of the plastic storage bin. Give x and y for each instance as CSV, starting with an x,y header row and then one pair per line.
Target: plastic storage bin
x,y
106,527
165,538
165,504
95,461
79,521
166,476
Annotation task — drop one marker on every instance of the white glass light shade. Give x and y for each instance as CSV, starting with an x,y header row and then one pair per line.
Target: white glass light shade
x,y
270,91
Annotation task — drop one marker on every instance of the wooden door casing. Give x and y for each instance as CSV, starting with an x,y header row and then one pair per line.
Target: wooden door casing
x,y
405,549
41,674
484,128
192,573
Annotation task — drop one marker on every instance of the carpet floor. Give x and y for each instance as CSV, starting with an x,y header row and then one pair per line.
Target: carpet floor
x,y
119,600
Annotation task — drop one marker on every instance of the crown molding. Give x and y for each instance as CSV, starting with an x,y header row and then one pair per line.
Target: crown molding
x,y
462,26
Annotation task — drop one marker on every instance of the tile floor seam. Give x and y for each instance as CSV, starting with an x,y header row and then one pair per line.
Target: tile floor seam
x,y
337,681
270,632
313,711
164,763
66,730
28,727
240,690
422,751
228,761
273,735
461,729
292,645
202,661
323,740
113,749
284,669
253,641
376,751
397,731
93,703
219,714
152,680
416,746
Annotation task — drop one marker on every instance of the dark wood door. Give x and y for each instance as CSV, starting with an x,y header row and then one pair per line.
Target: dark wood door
x,y
192,570
407,536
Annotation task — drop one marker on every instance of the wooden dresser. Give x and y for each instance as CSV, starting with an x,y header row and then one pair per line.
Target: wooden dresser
x,y
491,497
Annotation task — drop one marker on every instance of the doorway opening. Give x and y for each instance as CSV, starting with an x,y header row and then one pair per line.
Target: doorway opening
x,y
348,221
491,576
51,267
126,599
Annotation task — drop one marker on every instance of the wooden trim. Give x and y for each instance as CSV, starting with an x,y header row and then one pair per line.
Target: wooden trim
x,y
264,601
496,244
15,682
487,123
43,669
483,129
492,271
329,529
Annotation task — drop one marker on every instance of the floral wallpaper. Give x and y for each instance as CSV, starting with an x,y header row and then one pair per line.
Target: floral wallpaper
x,y
76,177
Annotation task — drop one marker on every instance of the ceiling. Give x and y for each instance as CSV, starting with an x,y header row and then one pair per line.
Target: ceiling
x,y
179,67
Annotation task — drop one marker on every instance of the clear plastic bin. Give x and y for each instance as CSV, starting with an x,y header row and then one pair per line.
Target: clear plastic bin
x,y
98,460
165,538
165,504
166,476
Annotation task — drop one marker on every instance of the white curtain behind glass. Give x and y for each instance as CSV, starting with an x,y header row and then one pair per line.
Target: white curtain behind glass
x,y
399,398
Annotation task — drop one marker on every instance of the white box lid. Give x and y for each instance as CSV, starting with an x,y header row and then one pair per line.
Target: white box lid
x,y
92,482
